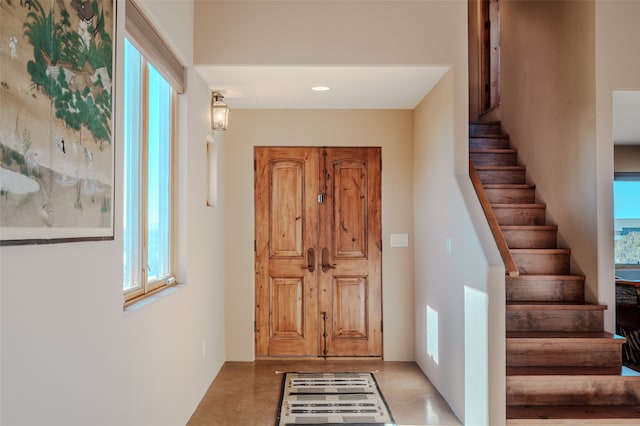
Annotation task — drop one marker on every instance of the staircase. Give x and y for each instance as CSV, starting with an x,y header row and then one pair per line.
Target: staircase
x,y
562,367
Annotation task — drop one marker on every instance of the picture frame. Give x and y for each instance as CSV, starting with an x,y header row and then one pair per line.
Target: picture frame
x,y
57,122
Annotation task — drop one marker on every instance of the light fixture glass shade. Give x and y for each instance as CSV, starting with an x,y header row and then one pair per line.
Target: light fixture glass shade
x,y
219,112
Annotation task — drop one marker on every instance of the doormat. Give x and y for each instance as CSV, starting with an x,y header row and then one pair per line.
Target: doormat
x,y
332,399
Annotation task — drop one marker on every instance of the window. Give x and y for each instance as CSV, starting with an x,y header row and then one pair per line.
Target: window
x,y
152,79
147,203
626,214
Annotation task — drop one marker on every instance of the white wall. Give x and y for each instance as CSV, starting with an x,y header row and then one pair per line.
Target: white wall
x,y
617,67
70,356
458,272
391,130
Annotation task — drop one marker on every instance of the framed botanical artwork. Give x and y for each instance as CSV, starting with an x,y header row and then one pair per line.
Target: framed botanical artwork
x,y
56,126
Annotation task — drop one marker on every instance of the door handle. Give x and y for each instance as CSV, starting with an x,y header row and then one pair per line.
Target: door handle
x,y
325,261
311,260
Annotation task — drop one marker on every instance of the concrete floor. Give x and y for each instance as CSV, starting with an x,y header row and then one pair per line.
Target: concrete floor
x,y
248,393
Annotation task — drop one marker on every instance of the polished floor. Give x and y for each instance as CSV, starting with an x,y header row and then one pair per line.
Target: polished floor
x,y
248,393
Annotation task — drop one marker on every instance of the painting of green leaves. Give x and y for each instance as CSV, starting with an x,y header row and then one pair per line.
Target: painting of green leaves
x,y
56,125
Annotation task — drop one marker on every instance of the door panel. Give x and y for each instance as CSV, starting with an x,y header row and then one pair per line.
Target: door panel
x,y
286,223
350,280
288,308
350,307
349,209
318,252
287,206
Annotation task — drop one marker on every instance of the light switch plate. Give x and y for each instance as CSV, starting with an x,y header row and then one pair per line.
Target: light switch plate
x,y
399,240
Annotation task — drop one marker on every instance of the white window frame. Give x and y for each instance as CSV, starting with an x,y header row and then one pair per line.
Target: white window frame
x,y
140,33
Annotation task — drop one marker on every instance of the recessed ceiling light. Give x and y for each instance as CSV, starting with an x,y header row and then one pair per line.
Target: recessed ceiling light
x,y
320,88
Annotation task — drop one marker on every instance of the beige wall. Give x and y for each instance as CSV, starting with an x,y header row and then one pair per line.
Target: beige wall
x,y
617,68
70,356
475,50
391,130
328,32
458,272
564,78
548,109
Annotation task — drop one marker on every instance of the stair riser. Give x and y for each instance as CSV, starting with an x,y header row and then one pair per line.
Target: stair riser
x,y
551,264
555,320
489,128
519,216
555,415
479,142
494,159
545,291
545,354
572,390
510,196
501,176
530,238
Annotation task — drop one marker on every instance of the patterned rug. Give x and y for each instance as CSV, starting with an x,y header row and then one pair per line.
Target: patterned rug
x,y
332,399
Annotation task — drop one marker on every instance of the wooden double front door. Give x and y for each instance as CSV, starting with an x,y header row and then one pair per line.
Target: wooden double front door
x,y
318,251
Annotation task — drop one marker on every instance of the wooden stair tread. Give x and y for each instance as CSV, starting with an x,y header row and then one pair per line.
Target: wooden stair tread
x,y
529,227
508,186
542,251
519,206
570,373
500,168
493,151
573,414
489,136
569,336
550,277
525,306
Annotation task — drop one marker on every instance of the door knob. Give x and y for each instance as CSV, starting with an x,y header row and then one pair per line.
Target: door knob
x,y
325,261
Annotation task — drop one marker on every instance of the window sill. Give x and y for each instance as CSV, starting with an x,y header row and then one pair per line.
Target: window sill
x,y
140,302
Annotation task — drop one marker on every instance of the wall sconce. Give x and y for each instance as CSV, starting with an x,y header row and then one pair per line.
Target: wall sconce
x,y
219,112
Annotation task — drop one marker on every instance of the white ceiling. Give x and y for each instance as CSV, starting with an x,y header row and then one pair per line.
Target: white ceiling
x,y
352,87
626,117
363,87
